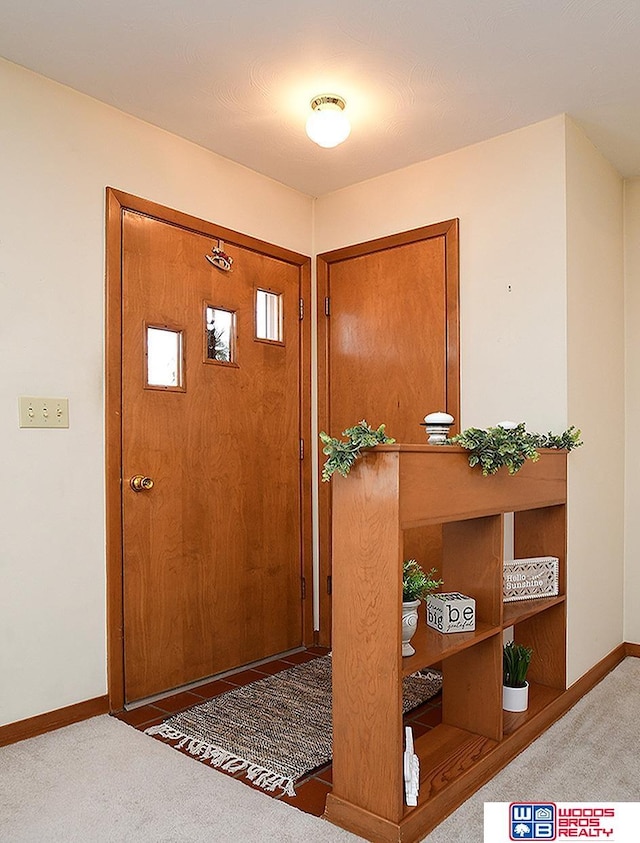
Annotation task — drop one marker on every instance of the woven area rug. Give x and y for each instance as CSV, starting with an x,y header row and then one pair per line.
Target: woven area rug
x,y
276,729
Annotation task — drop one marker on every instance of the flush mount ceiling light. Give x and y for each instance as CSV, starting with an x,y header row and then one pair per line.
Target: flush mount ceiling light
x,y
328,125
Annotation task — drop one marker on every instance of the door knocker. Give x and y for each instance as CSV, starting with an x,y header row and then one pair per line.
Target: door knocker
x,y
219,257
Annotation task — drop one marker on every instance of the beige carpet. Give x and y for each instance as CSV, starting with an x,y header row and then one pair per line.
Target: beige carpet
x,y
592,754
103,782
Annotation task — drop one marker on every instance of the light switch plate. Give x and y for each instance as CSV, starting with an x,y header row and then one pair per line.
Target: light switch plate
x,y
43,412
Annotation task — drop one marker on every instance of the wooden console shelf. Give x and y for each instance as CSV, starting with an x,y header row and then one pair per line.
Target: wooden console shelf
x,y
445,754
523,609
432,647
540,696
401,497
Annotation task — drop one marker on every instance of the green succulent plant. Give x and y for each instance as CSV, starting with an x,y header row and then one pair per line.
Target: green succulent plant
x,y
516,659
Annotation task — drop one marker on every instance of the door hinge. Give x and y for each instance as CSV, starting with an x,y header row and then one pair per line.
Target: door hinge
x,y
301,309
303,584
327,306
329,584
302,449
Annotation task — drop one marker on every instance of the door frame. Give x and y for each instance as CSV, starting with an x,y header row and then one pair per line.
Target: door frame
x,y
117,202
449,230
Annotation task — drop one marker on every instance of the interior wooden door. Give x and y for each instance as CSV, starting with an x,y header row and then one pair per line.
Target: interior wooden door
x,y
388,346
212,552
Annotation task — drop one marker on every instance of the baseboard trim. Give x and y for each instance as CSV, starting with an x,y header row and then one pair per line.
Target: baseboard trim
x,y
591,678
32,726
41,723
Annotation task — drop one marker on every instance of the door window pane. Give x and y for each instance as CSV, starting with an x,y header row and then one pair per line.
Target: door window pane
x,y
164,357
268,316
220,334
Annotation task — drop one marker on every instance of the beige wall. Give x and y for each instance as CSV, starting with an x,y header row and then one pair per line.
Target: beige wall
x,y
595,354
632,313
58,152
509,195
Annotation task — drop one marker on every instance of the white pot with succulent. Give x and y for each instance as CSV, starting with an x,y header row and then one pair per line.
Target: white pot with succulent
x,y
515,688
416,584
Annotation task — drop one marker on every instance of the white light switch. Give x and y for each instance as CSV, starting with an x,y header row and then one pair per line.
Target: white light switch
x,y
43,412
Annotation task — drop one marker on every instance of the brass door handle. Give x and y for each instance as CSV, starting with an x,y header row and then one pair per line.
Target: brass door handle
x,y
140,483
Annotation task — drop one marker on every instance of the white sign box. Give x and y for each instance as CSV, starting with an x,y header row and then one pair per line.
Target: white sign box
x,y
528,579
451,612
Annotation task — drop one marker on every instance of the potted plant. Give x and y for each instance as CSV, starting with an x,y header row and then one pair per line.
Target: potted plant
x,y
416,584
515,688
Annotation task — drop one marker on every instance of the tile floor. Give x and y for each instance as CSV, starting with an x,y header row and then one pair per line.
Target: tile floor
x,y
312,790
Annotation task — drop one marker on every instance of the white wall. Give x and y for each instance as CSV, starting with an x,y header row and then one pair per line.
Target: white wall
x,y
509,195
595,354
58,152
632,497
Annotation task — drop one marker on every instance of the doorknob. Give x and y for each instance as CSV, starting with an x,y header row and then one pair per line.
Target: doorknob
x,y
140,483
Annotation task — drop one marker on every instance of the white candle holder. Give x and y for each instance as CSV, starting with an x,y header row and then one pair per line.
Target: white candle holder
x,y
437,426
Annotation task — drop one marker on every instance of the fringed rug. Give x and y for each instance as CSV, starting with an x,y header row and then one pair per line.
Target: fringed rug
x,y
276,729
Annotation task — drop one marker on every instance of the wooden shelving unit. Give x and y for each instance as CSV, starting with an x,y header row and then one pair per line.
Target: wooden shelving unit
x,y
394,498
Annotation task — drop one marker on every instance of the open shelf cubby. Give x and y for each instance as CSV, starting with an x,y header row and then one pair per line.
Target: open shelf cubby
x,y
425,502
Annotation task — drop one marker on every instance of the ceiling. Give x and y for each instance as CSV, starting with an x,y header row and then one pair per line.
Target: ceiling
x,y
420,77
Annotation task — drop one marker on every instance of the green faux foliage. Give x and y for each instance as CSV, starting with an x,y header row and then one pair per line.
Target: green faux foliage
x,y
515,664
342,455
416,582
496,447
568,440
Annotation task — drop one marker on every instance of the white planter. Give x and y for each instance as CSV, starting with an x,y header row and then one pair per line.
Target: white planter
x,y
409,625
515,699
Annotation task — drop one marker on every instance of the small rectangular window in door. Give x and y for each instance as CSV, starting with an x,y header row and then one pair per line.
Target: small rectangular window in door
x,y
165,358
220,330
268,316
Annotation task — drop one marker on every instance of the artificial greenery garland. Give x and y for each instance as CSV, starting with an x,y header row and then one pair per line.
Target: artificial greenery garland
x,y
342,455
491,449
496,447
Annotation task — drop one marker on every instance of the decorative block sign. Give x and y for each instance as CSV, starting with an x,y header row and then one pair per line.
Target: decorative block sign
x,y
451,612
527,579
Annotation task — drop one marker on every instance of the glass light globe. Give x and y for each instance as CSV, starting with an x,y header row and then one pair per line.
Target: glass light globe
x,y
327,125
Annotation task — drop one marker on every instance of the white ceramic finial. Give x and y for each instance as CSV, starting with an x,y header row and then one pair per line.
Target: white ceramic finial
x,y
508,425
437,425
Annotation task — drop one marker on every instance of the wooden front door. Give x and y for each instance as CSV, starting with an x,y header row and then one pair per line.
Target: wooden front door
x,y
212,390
388,345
